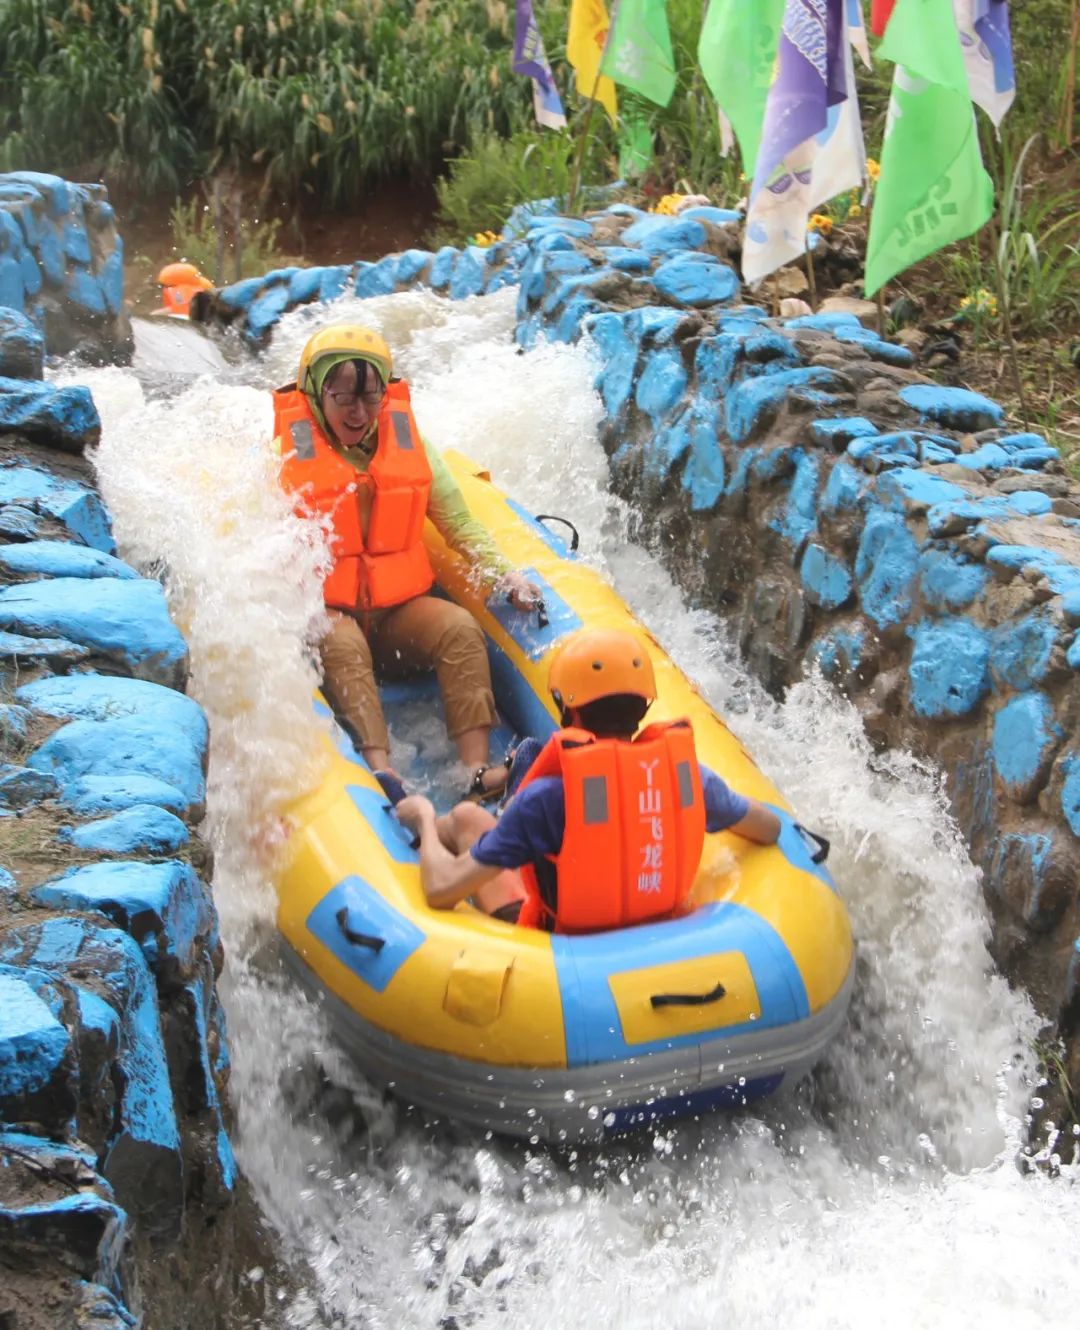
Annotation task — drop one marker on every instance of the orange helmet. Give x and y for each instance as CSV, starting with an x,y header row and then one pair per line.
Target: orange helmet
x,y
600,662
179,282
183,274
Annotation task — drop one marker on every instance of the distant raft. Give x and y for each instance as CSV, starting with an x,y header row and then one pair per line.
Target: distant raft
x,y
547,1036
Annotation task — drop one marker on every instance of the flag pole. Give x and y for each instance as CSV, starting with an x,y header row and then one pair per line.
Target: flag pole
x,y
575,183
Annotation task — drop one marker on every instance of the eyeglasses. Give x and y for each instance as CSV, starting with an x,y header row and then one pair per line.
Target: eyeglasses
x,y
346,401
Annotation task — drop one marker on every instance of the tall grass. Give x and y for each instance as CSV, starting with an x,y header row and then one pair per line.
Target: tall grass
x,y
323,95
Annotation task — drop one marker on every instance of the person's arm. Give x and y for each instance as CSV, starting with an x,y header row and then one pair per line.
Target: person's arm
x,y
727,811
450,516
457,526
447,878
760,824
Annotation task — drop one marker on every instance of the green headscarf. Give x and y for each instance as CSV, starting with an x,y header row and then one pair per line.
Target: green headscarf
x,y
321,369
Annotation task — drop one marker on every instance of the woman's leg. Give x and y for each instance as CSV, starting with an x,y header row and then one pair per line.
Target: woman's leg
x,y
349,685
428,633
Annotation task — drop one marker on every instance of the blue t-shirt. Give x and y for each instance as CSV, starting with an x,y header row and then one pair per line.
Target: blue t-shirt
x,y
535,818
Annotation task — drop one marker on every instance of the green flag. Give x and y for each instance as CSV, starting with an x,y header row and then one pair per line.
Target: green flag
x,y
737,54
635,146
638,52
933,187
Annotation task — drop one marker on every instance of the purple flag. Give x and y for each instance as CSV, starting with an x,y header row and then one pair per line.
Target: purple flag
x,y
809,79
811,144
530,59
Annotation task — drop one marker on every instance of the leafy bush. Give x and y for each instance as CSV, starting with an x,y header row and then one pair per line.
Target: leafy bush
x,y
484,184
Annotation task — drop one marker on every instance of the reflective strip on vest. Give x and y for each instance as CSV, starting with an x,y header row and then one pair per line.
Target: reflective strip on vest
x,y
387,564
635,826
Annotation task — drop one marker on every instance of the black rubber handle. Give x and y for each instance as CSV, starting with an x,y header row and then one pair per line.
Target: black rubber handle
x,y
822,852
688,999
575,539
374,944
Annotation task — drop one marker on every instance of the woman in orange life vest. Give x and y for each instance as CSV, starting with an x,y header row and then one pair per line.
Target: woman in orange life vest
x,y
606,828
351,451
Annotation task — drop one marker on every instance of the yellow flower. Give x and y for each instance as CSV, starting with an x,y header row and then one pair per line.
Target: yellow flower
x,y
981,301
484,239
855,210
873,169
819,222
668,206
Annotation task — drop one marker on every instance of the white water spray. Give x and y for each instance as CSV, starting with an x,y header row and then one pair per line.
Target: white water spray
x,y
882,1191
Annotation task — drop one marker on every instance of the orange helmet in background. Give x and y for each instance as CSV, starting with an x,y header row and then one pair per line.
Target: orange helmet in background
x,y
600,662
179,283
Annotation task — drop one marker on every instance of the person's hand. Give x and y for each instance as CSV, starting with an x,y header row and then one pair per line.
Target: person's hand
x,y
522,594
412,811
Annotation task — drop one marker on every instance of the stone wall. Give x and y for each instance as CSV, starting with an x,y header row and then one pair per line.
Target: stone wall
x,y
118,1188
62,265
803,479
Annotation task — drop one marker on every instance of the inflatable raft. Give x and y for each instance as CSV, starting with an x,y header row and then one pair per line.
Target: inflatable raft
x,y
562,1038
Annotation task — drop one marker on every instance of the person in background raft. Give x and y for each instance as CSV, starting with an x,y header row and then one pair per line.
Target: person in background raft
x,y
180,285
606,828
350,450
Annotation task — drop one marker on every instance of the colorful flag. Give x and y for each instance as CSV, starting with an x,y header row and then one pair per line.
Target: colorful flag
x,y
530,59
880,13
933,187
639,53
987,45
811,145
737,52
585,42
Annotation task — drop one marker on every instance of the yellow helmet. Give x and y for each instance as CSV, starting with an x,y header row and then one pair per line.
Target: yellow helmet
x,y
600,662
343,341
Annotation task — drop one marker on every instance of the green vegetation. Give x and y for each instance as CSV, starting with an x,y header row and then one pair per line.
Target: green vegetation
x,y
485,183
327,96
201,238
323,99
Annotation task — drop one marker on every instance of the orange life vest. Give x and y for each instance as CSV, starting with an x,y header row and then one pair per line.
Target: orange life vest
x,y
635,827
386,563
177,299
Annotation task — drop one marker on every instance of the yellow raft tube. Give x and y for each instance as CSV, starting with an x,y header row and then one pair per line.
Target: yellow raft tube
x,y
558,1037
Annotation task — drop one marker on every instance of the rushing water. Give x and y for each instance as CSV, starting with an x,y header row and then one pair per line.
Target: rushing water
x,y
884,1191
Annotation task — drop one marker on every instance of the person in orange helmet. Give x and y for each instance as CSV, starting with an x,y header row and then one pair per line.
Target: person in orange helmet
x,y
605,825
180,282
351,452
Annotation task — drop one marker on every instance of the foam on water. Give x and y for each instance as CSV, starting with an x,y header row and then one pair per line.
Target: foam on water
x,y
883,1190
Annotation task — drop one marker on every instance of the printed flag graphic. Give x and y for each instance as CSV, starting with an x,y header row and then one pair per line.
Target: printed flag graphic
x,y
987,45
811,146
531,60
933,187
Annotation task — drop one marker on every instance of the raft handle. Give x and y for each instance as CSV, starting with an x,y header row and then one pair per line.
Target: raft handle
x,y
688,999
822,852
575,539
375,944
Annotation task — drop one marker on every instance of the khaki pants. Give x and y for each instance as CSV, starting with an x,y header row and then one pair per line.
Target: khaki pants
x,y
422,634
